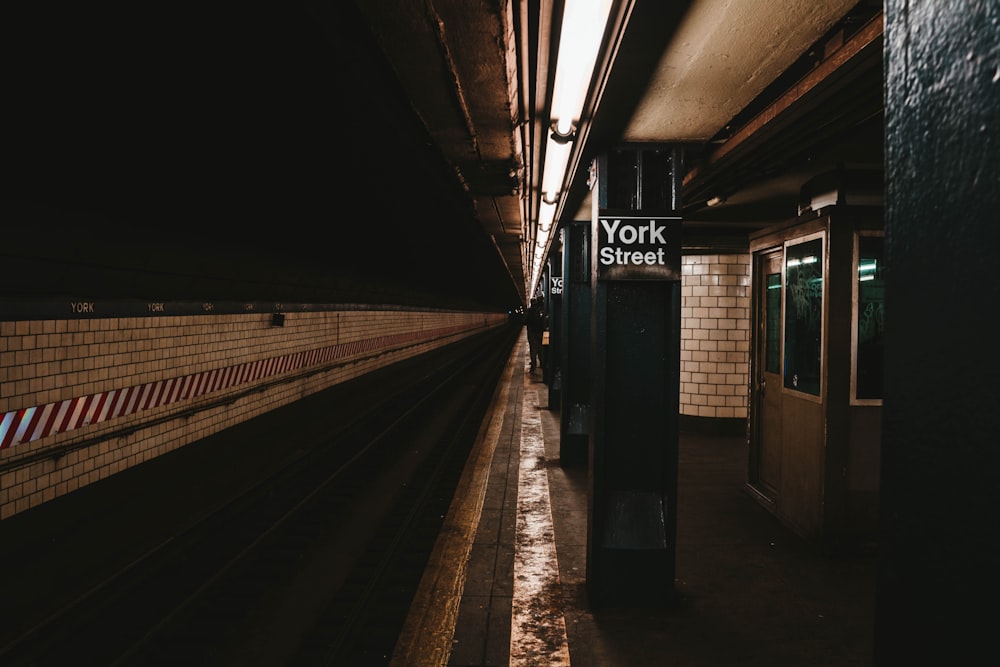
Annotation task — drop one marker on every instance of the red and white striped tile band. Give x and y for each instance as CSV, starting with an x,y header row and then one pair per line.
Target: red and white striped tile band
x,y
29,424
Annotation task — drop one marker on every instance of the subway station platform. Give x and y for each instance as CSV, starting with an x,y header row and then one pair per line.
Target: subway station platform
x,y
506,584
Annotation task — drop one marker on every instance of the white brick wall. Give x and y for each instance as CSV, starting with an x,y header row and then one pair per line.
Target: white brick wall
x,y
43,362
715,335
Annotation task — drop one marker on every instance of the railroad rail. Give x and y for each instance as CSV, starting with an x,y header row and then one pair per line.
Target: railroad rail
x,y
314,558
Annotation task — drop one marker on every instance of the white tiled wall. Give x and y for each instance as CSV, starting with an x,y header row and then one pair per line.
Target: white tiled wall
x,y
45,362
715,335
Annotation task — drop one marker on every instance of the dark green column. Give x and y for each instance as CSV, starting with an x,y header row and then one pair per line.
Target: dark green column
x,y
938,541
551,370
575,344
635,377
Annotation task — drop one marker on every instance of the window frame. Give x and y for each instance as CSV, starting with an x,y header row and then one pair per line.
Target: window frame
x,y
855,315
824,263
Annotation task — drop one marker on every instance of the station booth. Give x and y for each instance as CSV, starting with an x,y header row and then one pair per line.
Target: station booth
x,y
817,316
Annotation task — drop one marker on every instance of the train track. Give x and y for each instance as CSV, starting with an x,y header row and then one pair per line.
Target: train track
x,y
314,564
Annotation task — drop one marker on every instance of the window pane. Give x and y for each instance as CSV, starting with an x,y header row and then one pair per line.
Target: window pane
x,y
803,315
772,327
871,316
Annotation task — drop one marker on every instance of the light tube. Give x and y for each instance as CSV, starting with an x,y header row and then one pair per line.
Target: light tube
x,y
556,159
580,37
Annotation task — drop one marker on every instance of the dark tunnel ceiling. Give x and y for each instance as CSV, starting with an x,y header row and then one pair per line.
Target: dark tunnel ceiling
x,y
314,152
189,153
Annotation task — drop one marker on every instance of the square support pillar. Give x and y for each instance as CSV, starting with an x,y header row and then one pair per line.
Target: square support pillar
x,y
552,368
635,377
575,345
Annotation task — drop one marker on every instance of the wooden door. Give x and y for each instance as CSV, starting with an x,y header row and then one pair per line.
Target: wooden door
x,y
765,440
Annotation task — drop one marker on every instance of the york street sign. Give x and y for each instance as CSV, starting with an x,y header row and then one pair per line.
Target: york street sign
x,y
638,247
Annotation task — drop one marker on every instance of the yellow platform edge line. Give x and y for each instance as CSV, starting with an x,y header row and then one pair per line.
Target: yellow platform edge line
x,y
426,638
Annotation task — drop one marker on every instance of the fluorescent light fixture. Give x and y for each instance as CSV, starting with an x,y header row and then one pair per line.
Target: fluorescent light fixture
x,y
556,159
546,214
580,37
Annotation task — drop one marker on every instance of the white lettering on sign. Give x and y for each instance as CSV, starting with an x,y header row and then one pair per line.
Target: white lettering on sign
x,y
619,234
618,256
557,285
82,307
155,307
629,234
